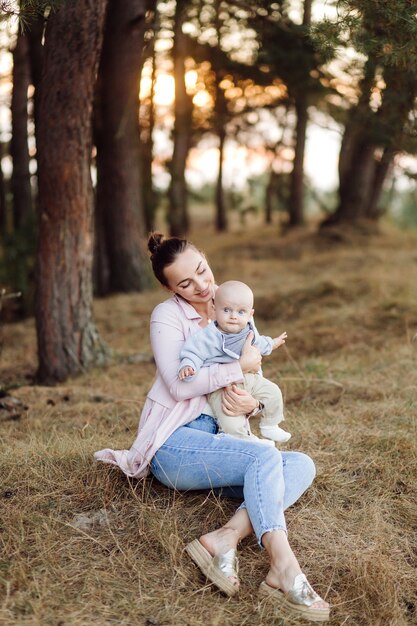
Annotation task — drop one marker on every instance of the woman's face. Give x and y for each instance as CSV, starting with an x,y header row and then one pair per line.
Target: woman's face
x,y
190,276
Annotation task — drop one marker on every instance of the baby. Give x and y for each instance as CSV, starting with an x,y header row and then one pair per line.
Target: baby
x,y
221,342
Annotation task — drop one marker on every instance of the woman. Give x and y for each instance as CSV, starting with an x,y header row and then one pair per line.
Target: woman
x,y
178,440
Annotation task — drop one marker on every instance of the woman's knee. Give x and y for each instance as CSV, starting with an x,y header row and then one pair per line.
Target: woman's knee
x,y
269,454
308,466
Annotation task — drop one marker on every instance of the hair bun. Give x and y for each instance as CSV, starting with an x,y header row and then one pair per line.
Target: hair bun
x,y
154,241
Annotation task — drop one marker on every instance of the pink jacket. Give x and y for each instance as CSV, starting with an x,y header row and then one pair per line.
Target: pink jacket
x,y
170,402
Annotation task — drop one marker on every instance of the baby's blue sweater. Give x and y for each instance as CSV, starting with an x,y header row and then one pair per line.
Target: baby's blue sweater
x,y
211,345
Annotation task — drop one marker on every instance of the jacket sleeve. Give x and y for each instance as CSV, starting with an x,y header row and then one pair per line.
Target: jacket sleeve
x,y
167,340
194,352
263,343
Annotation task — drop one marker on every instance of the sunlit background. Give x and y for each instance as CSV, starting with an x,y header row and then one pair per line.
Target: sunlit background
x,y
242,161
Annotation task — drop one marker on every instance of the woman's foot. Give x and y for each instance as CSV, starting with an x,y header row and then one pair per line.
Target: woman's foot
x,y
288,582
219,543
285,570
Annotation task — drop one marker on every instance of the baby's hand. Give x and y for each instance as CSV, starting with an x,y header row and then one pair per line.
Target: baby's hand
x,y
185,372
278,341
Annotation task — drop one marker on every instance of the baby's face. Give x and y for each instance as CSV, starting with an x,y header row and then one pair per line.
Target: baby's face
x,y
233,312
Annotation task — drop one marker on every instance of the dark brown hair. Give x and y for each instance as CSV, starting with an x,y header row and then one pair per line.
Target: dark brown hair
x,y
164,251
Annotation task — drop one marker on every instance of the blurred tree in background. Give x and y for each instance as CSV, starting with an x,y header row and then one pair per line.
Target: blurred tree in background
x,y
121,264
67,337
110,103
382,122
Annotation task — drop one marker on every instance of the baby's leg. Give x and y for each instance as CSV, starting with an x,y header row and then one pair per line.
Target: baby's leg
x,y
270,395
238,426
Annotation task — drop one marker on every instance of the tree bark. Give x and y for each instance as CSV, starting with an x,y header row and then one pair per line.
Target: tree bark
x,y
3,202
359,120
147,145
362,174
269,196
220,115
296,199
34,35
19,151
221,215
68,341
178,200
373,211
119,185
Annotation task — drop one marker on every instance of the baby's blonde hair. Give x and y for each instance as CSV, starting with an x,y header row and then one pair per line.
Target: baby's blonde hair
x,y
233,287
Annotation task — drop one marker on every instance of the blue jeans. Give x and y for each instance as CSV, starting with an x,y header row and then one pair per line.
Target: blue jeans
x,y
197,457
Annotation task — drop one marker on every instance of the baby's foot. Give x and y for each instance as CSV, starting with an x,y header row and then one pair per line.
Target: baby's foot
x,y
275,433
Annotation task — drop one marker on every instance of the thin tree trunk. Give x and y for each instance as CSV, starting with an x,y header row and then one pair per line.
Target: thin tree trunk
x,y
20,181
101,266
220,117
270,194
119,197
372,210
146,153
178,200
296,199
68,340
221,215
3,202
34,35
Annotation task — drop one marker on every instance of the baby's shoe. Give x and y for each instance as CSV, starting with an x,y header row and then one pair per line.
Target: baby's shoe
x,y
275,433
267,442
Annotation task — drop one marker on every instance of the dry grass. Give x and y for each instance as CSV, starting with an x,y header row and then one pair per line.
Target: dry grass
x,y
349,379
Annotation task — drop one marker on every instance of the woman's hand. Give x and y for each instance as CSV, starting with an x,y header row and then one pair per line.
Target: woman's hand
x,y
250,359
237,401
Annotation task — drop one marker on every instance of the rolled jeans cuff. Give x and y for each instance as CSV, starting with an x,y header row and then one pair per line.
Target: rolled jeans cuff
x,y
270,530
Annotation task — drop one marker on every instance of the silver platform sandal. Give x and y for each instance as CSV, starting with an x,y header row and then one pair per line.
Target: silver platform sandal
x,y
217,569
298,601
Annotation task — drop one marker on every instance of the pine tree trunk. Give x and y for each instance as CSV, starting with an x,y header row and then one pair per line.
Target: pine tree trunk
x,y
220,116
101,267
67,337
372,210
119,185
19,151
221,215
357,185
147,146
296,199
34,35
361,174
3,203
178,200
270,194
360,119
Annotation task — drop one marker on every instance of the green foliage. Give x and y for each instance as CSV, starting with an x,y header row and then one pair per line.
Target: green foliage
x,y
405,213
203,194
25,10
293,52
388,32
17,264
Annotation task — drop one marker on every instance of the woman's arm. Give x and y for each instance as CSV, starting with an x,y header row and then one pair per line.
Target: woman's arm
x,y
167,339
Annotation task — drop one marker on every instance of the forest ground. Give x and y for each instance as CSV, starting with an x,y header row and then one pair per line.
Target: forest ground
x,y
82,545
